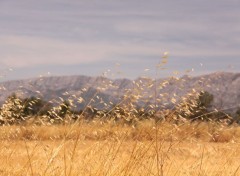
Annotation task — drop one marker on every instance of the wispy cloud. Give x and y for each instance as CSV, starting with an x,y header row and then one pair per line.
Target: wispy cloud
x,y
61,32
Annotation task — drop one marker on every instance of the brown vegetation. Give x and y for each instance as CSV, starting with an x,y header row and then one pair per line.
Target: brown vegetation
x,y
40,137
110,148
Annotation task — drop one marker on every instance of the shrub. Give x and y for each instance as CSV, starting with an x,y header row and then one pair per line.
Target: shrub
x,y
12,110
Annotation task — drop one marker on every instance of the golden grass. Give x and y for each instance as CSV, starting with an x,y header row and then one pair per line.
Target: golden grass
x,y
120,142
98,148
144,130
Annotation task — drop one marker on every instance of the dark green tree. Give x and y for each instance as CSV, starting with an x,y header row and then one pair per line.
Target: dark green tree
x,y
238,112
64,109
35,106
201,110
205,99
237,116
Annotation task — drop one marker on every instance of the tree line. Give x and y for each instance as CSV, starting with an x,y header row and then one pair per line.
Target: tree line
x,y
17,110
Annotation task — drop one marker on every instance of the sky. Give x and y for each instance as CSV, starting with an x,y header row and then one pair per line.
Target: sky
x,y
115,38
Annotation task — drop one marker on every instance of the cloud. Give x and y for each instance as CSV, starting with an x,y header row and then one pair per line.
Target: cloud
x,y
23,51
61,32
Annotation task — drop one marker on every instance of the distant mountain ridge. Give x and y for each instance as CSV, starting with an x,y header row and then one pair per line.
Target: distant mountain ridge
x,y
224,86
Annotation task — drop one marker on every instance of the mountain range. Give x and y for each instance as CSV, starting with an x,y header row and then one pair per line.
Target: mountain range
x,y
102,91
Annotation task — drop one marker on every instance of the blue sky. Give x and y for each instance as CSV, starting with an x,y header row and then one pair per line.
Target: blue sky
x,y
122,38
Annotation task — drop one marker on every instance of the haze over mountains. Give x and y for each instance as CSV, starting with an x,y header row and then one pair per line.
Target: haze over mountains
x,y
224,86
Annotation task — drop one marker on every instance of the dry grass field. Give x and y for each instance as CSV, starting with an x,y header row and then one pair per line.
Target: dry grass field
x,y
97,148
123,140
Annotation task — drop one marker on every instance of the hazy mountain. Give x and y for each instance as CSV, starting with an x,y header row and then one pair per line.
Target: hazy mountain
x,y
224,86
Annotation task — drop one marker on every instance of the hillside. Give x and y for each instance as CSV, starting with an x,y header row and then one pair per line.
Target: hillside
x,y
224,86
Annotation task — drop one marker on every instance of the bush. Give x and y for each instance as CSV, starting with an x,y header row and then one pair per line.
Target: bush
x,y
35,106
12,110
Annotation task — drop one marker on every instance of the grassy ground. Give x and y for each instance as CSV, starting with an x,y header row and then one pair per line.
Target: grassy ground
x,y
115,149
